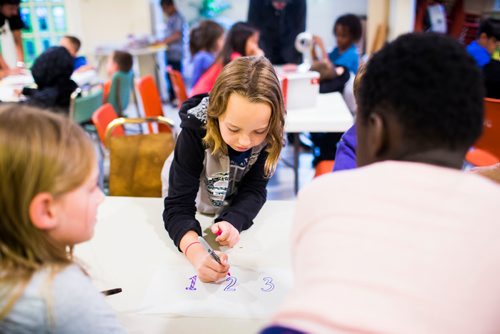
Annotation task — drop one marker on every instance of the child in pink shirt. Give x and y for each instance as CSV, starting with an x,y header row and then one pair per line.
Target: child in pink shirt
x,y
407,243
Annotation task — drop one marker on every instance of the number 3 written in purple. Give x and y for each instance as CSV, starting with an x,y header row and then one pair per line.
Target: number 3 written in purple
x,y
269,285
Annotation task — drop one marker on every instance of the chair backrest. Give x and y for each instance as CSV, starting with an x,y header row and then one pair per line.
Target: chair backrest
x,y
490,139
121,87
480,158
136,161
106,88
101,118
178,85
324,167
82,107
151,101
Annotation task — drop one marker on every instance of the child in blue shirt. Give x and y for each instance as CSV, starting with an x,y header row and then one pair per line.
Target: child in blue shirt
x,y
205,42
347,30
488,37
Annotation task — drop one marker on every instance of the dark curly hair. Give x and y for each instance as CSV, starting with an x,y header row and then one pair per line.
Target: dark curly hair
x,y
431,85
353,25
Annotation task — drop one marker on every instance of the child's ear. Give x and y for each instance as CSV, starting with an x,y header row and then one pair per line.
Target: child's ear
x,y
378,135
42,211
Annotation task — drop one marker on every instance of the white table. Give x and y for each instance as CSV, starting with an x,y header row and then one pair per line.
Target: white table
x,y
329,115
9,84
130,244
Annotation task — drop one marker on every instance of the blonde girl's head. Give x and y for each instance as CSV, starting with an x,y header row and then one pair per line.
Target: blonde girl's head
x,y
43,157
253,81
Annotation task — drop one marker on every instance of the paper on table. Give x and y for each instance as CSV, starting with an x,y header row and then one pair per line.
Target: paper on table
x,y
248,293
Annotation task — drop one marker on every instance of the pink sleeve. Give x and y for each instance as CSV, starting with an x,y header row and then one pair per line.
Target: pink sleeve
x,y
207,80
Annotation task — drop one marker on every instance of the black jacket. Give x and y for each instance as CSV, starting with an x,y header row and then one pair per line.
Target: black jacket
x,y
52,73
195,171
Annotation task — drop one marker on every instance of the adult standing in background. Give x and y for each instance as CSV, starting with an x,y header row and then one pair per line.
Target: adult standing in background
x,y
279,22
9,12
174,38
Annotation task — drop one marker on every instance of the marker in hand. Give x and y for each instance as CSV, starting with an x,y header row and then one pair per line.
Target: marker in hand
x,y
211,251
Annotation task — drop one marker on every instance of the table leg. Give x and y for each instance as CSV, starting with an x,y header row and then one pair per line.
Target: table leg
x,y
296,148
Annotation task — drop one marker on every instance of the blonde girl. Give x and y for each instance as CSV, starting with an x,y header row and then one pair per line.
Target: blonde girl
x,y
225,154
48,203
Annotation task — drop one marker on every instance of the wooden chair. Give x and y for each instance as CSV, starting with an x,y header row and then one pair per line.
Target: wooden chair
x,y
178,85
136,161
490,138
151,101
101,119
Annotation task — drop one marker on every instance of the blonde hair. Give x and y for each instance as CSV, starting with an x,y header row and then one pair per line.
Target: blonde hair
x,y
40,152
255,79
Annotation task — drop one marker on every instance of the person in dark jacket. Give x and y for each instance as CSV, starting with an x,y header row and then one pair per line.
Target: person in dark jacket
x,y
279,22
225,154
52,74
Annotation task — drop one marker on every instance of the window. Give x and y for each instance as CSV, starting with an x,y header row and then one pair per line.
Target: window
x,y
45,22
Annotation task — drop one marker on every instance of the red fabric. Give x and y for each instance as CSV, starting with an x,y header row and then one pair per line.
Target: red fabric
x,y
207,80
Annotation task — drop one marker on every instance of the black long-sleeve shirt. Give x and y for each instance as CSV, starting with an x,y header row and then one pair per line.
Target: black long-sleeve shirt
x,y
189,174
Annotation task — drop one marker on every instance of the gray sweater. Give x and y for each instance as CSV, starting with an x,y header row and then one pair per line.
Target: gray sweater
x,y
75,306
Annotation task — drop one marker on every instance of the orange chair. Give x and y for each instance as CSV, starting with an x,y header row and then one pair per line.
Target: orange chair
x,y
324,167
101,118
480,158
151,101
106,88
490,139
178,85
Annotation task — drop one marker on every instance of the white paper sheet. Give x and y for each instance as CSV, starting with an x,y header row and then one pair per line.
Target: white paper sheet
x,y
247,293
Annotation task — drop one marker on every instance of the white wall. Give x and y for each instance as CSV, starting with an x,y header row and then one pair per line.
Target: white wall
x,y
401,17
107,21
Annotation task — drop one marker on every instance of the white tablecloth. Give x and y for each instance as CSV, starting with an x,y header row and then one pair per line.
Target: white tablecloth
x,y
132,250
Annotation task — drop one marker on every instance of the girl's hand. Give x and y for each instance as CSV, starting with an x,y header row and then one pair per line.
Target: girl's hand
x,y
228,235
207,269
317,40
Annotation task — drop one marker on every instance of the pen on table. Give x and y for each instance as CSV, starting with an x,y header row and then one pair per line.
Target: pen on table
x,y
111,291
211,251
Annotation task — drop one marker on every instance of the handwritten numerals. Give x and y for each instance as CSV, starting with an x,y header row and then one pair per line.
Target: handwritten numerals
x,y
232,282
192,284
269,285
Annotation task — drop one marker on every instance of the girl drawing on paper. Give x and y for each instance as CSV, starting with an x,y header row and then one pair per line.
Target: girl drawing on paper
x,y
224,156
